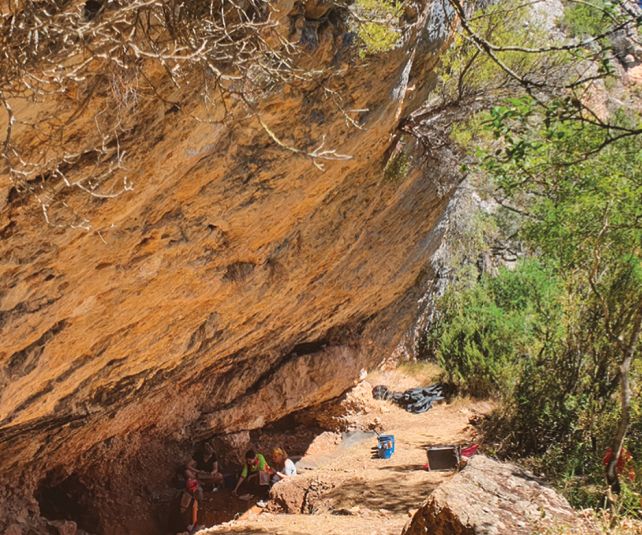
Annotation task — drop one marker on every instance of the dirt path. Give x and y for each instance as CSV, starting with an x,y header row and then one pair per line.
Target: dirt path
x,y
360,493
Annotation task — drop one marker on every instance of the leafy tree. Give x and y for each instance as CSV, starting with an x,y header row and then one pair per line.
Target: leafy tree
x,y
570,180
583,197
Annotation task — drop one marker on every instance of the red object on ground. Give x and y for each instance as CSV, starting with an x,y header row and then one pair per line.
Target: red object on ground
x,y
469,451
622,462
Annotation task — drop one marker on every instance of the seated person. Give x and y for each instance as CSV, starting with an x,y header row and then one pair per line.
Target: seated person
x,y
190,498
284,467
255,475
207,469
191,480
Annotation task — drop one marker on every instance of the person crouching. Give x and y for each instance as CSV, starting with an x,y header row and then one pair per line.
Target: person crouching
x,y
255,475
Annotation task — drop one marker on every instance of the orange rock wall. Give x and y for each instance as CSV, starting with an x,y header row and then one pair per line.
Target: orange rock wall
x,y
234,285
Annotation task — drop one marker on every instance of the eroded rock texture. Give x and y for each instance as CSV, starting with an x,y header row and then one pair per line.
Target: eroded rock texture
x,y
234,285
493,498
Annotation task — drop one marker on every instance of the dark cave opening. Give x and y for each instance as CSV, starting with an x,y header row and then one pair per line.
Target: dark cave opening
x,y
66,497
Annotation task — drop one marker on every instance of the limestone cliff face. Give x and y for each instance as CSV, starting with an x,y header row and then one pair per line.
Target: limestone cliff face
x,y
234,285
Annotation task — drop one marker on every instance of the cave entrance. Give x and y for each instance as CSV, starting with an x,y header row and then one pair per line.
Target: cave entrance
x,y
66,497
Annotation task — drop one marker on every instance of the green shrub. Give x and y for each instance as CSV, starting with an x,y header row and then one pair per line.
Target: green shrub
x,y
549,338
586,19
377,37
488,332
378,26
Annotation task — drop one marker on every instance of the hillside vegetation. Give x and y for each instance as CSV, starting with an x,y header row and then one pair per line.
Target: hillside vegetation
x,y
554,150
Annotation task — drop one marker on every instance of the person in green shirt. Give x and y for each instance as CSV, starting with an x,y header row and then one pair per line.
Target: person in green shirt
x,y
255,470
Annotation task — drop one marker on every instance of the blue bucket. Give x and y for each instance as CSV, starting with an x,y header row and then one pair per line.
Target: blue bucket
x,y
387,438
386,446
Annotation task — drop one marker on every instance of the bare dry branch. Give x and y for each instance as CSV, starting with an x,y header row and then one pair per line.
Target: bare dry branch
x,y
106,65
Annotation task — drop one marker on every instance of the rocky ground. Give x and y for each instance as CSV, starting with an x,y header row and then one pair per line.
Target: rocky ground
x,y
343,487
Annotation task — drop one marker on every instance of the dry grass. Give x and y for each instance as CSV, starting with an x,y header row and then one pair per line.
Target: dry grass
x,y
605,524
423,371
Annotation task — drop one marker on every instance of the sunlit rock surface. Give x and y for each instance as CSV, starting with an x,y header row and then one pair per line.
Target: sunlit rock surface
x,y
236,284
489,497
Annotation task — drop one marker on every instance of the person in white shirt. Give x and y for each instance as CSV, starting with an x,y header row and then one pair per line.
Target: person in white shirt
x,y
282,465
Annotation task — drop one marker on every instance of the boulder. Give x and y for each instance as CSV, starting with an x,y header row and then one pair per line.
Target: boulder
x,y
493,498
298,495
289,495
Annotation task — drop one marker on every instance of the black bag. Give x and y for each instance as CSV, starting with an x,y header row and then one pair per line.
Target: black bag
x,y
380,392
